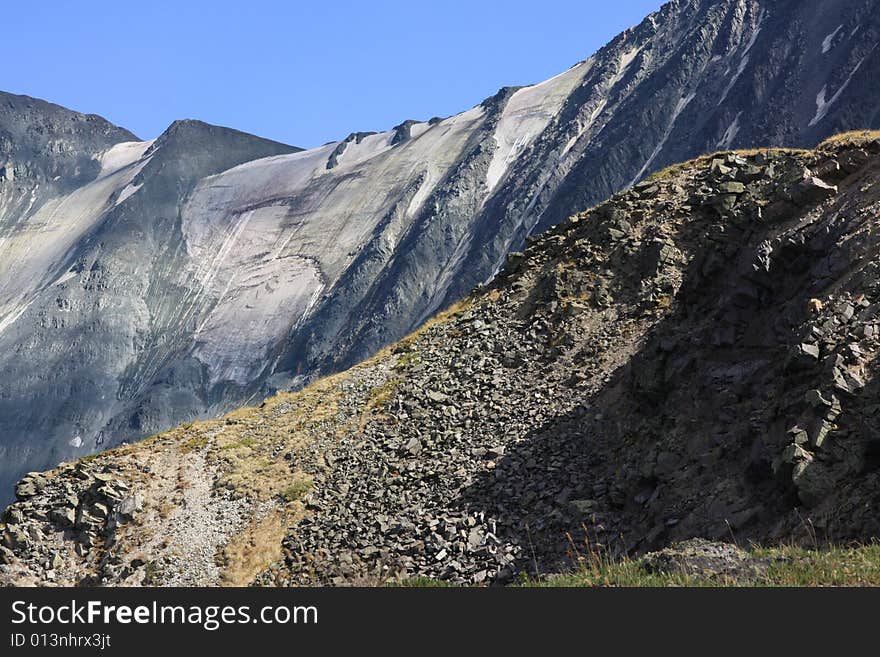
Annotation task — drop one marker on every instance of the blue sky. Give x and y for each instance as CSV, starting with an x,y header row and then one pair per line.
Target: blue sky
x,y
301,73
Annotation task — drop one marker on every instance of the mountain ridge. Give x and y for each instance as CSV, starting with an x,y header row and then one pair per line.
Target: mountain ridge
x,y
218,268
695,357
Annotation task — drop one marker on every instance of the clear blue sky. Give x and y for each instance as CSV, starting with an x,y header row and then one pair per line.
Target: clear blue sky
x,y
300,72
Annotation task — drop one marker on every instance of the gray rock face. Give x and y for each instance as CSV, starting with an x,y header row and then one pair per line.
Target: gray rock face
x,y
143,284
89,310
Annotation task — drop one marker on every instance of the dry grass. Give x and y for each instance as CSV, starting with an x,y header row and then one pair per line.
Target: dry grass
x,y
852,138
247,448
675,169
254,549
440,318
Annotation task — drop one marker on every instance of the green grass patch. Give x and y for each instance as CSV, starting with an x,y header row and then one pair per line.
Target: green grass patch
x,y
297,490
788,567
420,583
243,443
833,566
194,444
408,359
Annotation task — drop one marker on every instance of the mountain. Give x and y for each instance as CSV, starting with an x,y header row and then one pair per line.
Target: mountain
x,y
693,358
150,283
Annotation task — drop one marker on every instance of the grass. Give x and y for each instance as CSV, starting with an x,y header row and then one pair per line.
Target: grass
x,y
194,444
243,443
248,448
789,566
674,169
382,395
834,566
852,138
249,552
419,583
407,360
297,490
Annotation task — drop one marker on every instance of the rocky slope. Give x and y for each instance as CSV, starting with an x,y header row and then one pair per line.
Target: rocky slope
x,y
147,283
693,358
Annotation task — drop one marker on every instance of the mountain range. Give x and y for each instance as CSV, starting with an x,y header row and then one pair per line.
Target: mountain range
x,y
148,283
696,358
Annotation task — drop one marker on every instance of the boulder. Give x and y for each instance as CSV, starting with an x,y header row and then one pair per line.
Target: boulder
x,y
732,187
413,447
7,556
812,190
130,505
705,560
63,516
853,160
724,203
30,485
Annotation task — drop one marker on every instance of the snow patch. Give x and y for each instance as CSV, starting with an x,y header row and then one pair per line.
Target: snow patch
x,y
599,109
755,34
15,312
418,129
527,113
128,191
742,67
730,133
283,172
369,147
745,57
44,238
122,155
65,277
828,40
421,195
266,239
823,105
626,59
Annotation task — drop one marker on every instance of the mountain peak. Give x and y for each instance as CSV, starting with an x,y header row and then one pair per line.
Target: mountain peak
x,y
195,132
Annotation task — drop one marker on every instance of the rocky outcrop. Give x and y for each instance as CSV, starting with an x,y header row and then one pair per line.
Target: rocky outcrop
x,y
689,359
73,517
143,284
694,358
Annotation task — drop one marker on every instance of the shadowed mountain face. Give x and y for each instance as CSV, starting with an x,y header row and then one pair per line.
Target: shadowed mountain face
x,y
143,284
